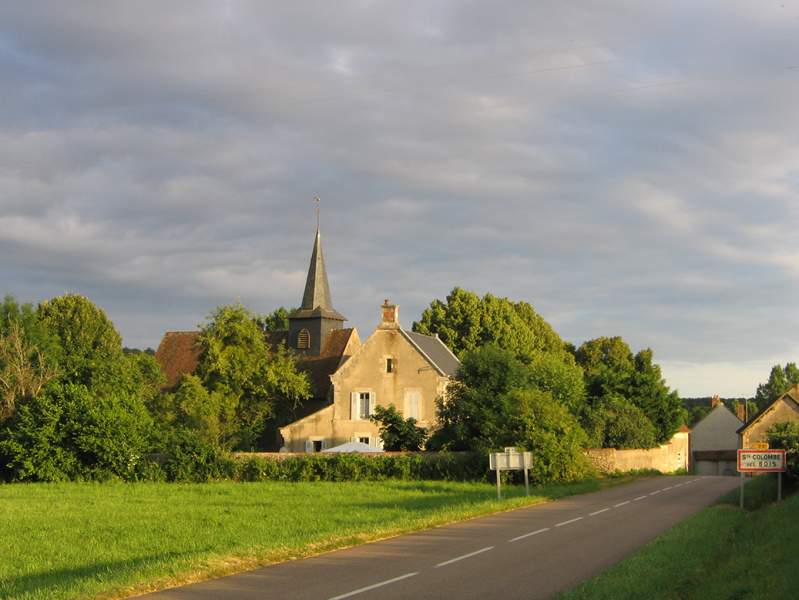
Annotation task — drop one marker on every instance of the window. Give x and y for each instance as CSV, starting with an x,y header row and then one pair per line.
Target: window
x,y
364,440
317,445
413,404
304,339
390,365
364,408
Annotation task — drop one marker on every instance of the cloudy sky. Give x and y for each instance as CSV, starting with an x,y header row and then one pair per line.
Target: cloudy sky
x,y
629,168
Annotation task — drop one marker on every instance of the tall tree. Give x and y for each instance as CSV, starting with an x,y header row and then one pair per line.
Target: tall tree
x,y
237,363
779,381
23,370
466,322
277,320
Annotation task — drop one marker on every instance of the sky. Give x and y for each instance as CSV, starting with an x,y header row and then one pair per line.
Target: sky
x,y
628,168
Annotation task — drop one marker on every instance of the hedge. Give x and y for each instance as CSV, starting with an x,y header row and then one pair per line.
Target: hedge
x,y
203,465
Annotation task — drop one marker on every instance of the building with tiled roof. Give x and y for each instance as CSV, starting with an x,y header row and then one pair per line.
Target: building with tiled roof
x,y
348,379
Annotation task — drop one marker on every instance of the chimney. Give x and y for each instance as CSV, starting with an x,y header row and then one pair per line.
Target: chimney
x,y
389,316
715,401
740,411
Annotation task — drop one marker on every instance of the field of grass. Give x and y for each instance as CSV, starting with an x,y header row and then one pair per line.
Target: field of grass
x,y
720,553
111,540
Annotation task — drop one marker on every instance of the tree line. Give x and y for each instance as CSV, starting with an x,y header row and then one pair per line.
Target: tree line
x,y
77,405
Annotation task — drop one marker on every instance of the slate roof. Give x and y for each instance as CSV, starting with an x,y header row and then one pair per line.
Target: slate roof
x,y
316,300
435,351
178,354
320,368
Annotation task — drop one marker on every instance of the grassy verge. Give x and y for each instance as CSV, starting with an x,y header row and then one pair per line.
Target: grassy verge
x,y
111,540
721,552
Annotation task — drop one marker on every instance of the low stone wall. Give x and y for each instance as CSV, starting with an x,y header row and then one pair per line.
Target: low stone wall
x,y
666,458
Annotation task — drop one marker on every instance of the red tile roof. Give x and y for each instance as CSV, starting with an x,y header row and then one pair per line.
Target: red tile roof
x,y
178,354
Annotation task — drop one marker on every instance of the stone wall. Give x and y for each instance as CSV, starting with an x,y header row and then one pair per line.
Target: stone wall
x,y
666,458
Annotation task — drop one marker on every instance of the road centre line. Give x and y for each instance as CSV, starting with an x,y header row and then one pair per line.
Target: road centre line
x,y
596,512
374,586
638,498
655,492
457,558
667,488
526,535
567,522
677,485
621,504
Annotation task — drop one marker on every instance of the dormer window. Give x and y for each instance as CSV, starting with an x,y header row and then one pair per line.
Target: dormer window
x,y
304,339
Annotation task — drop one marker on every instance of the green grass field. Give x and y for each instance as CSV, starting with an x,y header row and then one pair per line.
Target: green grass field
x,y
111,540
720,553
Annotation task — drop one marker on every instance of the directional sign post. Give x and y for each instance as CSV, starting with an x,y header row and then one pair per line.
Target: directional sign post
x,y
761,461
511,460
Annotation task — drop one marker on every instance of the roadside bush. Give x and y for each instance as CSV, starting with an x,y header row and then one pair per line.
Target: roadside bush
x,y
786,436
461,466
190,458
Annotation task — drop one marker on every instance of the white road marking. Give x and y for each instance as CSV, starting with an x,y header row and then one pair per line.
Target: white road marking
x,y
567,522
677,485
596,512
655,492
526,535
638,498
375,586
456,559
667,488
621,504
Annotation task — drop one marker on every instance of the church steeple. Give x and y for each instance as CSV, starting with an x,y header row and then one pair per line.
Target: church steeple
x,y
310,325
317,288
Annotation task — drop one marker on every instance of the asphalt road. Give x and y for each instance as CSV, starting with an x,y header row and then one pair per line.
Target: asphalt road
x,y
532,552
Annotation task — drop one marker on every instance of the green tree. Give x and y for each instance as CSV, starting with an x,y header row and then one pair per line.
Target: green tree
x,y
552,433
615,422
398,433
237,364
780,380
786,436
277,320
91,420
608,364
466,322
612,370
494,402
69,433
23,370
649,392
88,348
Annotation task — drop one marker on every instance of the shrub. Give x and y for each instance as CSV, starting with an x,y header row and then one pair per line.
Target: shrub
x,y
461,466
786,436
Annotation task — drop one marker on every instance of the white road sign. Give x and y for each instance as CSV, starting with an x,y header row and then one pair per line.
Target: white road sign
x,y
762,461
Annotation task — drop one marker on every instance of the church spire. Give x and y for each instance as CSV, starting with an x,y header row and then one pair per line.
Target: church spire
x,y
317,288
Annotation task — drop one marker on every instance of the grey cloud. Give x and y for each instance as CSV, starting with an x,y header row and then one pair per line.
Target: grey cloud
x,y
628,169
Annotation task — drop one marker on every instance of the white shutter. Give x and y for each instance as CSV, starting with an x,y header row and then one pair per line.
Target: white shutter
x,y
372,403
324,444
354,438
308,446
353,406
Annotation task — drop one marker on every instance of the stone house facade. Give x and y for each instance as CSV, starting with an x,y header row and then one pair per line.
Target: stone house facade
x,y
785,408
392,367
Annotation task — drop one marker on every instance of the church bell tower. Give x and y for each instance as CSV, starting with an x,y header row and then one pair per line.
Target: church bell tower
x,y
310,325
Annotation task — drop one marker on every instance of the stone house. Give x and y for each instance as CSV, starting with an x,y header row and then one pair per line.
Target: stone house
x,y
714,441
392,367
785,408
348,378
